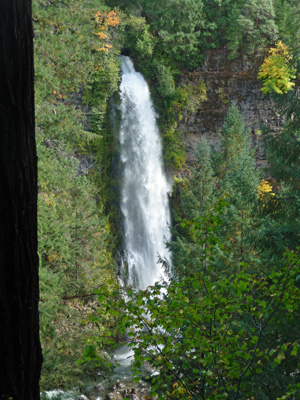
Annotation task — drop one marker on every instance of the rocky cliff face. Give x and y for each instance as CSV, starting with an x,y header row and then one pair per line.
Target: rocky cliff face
x,y
228,81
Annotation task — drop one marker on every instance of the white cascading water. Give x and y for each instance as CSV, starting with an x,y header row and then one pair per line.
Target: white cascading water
x,y
144,195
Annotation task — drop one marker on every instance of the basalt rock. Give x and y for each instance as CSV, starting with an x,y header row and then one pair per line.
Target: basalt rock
x,y
226,82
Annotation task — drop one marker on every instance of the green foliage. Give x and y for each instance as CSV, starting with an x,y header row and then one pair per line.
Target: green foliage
x,y
202,181
176,26
166,84
215,336
219,18
137,38
287,17
182,30
194,94
238,178
255,27
196,245
231,175
75,258
197,203
173,102
177,23
282,209
227,325
72,86
73,232
174,149
233,139
224,98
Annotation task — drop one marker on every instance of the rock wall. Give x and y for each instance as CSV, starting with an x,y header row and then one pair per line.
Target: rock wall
x,y
227,81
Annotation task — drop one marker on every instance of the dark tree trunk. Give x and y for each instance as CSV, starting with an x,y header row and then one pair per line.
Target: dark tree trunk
x,y
20,352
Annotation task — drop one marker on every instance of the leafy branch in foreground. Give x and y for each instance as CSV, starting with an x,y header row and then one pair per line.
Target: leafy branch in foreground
x,y
213,337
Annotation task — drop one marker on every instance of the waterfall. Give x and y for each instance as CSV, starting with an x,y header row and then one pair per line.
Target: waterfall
x,y
144,193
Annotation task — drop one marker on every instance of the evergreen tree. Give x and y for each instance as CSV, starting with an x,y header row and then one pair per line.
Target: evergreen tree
x,y
178,25
239,181
201,184
219,18
282,210
196,197
233,178
254,27
287,19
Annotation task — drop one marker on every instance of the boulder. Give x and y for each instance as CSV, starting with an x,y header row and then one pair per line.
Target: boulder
x,y
114,396
82,397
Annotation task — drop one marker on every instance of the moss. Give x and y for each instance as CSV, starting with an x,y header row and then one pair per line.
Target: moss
x,y
194,95
174,149
223,96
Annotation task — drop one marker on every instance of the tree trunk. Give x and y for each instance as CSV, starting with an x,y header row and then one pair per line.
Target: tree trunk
x,y
20,352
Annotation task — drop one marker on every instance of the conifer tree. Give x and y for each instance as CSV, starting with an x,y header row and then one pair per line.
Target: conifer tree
x,y
287,20
178,25
232,177
239,181
201,184
254,27
196,196
283,209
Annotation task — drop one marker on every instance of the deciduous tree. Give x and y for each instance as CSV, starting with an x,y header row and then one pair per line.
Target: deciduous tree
x,y
277,71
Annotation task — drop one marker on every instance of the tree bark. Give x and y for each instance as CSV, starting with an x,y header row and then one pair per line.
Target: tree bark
x,y
20,351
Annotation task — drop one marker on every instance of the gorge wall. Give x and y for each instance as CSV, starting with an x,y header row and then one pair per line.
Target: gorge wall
x,y
227,81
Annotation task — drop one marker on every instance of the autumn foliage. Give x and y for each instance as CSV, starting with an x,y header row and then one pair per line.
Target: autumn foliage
x,y
264,190
276,72
104,20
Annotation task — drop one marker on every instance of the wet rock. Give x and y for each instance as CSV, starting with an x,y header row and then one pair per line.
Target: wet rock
x,y
85,164
129,390
120,385
114,396
82,397
99,387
